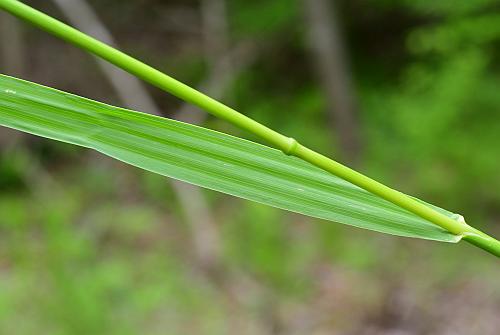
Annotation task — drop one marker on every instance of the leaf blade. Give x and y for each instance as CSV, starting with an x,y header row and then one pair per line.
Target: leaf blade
x,y
206,158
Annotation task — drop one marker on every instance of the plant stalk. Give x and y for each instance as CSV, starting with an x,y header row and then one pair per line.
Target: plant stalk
x,y
286,144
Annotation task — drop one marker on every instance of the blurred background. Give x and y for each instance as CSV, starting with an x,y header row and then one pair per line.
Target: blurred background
x,y
406,91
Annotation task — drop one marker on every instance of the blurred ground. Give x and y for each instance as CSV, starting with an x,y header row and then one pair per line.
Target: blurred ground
x,y
405,91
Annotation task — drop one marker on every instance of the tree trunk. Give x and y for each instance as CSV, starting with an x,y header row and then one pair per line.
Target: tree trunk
x,y
328,56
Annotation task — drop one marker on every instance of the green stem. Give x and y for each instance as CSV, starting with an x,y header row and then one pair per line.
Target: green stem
x,y
286,144
484,242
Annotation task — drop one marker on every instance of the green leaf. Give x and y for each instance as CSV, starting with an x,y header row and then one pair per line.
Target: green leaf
x,y
206,158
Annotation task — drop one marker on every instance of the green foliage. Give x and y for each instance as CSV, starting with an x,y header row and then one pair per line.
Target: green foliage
x,y
447,87
273,16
